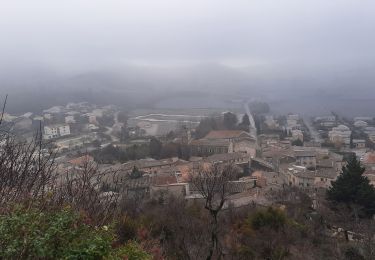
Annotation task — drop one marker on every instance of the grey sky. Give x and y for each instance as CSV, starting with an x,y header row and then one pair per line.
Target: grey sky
x,y
71,33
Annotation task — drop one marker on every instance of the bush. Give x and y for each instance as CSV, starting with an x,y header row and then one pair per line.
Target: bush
x,y
131,251
61,234
58,234
272,218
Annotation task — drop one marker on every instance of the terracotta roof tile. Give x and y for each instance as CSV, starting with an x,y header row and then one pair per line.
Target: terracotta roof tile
x,y
81,160
369,158
224,134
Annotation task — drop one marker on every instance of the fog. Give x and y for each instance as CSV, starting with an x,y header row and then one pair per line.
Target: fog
x,y
280,51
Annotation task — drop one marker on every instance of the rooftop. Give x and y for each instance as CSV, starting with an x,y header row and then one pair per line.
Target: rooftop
x,y
304,153
369,158
227,157
81,160
225,134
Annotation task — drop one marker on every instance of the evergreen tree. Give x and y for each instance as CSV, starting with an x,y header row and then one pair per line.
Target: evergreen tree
x,y
245,123
353,189
230,121
297,142
205,126
155,148
245,120
135,174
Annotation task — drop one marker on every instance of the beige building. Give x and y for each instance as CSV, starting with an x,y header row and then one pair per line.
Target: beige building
x,y
297,135
224,141
305,157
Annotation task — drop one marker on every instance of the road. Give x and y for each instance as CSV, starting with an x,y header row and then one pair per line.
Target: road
x,y
109,131
313,132
252,128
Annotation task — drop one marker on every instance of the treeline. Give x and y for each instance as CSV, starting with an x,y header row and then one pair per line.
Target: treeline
x,y
227,121
154,149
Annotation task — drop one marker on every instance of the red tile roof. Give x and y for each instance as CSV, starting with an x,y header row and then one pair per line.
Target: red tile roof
x,y
81,160
369,158
163,180
224,134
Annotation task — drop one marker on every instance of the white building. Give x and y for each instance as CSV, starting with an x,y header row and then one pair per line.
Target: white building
x,y
340,134
363,118
47,116
360,123
50,132
293,117
53,131
70,120
297,135
359,143
325,119
64,130
271,122
92,119
98,112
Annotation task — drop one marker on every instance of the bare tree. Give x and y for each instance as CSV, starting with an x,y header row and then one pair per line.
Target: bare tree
x,y
27,170
214,186
81,188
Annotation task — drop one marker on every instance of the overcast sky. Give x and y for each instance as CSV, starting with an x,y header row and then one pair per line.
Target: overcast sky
x,y
77,33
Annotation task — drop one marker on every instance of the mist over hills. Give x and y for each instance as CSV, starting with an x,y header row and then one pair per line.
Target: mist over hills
x,y
133,86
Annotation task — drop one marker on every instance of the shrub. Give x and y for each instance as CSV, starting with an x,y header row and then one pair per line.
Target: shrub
x,y
58,234
271,217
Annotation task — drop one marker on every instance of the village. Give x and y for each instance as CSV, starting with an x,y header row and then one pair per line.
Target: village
x,y
270,152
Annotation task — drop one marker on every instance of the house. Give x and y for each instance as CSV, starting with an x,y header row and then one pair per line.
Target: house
x,y
271,122
305,157
50,132
152,166
54,110
299,176
64,130
293,117
155,186
323,178
204,147
297,135
233,187
278,155
340,134
363,118
75,142
175,189
292,124
98,112
92,127
369,160
359,143
328,124
370,130
47,116
325,119
370,174
230,158
69,119
360,124
224,141
53,131
331,161
92,119
272,180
